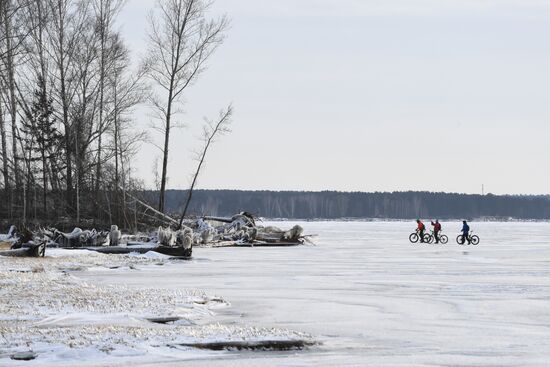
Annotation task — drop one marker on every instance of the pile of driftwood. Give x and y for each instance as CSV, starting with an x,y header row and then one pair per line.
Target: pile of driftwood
x,y
242,230
114,242
20,244
238,230
76,238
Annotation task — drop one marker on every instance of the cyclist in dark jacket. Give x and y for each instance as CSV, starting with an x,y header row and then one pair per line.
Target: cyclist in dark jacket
x,y
437,229
465,232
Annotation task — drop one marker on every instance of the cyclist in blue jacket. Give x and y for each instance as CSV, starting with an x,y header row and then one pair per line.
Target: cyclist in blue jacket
x,y
465,232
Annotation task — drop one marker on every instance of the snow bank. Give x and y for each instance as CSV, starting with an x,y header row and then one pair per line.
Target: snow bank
x,y
48,310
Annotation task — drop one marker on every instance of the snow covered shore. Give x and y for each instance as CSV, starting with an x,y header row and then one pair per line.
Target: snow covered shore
x,y
49,313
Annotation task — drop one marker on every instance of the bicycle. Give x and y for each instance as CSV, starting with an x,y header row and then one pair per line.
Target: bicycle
x,y
415,237
443,239
472,239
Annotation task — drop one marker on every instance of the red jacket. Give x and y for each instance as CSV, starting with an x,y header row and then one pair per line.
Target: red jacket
x,y
437,226
421,226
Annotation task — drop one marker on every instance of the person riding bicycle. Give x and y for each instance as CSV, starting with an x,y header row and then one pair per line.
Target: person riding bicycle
x,y
437,229
465,232
420,229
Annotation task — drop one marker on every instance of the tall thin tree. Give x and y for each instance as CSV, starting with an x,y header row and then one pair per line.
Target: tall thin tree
x,y
181,39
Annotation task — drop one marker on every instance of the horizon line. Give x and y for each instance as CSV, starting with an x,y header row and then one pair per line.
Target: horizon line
x,y
358,192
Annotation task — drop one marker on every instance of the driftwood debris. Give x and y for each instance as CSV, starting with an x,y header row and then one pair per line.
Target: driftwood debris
x,y
26,250
175,251
114,235
265,244
76,238
181,238
21,244
164,320
24,356
242,230
279,345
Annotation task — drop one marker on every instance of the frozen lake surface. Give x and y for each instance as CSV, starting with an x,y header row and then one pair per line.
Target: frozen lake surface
x,y
374,299
365,292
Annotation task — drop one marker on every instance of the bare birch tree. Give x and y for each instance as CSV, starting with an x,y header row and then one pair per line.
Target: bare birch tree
x,y
105,13
126,90
5,171
181,40
67,92
64,33
7,16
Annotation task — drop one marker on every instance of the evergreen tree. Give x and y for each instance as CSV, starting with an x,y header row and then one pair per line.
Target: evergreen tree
x,y
42,138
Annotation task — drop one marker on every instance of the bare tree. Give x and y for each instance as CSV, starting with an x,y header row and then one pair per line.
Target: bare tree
x,y
8,14
11,35
67,92
211,130
35,72
181,39
105,12
5,172
69,19
126,90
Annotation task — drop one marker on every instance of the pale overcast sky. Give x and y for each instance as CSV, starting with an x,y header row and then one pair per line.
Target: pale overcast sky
x,y
370,95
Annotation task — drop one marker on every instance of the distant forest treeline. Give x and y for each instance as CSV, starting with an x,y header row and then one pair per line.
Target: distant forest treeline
x,y
334,205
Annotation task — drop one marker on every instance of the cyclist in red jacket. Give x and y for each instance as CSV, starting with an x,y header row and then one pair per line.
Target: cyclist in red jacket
x,y
437,229
421,228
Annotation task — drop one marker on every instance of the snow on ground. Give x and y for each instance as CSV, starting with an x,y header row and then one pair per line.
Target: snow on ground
x,y
47,309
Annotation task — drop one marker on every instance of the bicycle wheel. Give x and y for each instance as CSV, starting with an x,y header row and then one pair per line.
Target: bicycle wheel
x,y
474,239
414,238
443,239
428,238
460,240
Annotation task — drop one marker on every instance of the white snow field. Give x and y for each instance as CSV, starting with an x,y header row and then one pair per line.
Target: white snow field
x,y
368,295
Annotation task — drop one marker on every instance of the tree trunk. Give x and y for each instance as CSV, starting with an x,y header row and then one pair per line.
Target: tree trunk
x,y
69,188
65,107
166,145
102,31
116,153
44,184
45,94
5,170
12,108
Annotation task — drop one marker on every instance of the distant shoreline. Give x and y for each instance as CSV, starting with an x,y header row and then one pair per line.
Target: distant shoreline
x,y
478,220
358,205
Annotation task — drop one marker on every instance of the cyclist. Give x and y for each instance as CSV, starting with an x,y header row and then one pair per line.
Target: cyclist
x,y
420,229
465,232
437,229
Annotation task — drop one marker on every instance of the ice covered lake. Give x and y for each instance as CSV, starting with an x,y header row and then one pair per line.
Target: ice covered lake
x,y
370,297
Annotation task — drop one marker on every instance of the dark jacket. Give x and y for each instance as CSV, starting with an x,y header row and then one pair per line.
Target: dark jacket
x,y
465,228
